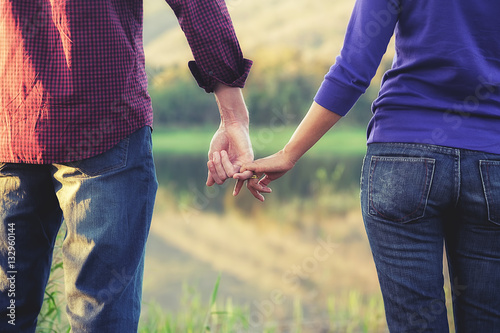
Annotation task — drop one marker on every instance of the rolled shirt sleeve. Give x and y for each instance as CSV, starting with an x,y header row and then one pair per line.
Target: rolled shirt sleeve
x,y
213,42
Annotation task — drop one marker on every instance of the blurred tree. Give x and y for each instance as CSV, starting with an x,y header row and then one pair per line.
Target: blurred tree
x,y
282,83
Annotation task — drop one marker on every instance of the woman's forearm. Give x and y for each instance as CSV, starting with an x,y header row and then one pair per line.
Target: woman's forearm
x,y
315,124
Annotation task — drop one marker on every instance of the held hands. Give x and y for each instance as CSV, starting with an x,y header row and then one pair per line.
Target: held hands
x,y
229,149
231,155
314,125
271,168
258,174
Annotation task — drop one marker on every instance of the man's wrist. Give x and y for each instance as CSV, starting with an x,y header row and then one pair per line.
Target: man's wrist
x,y
232,106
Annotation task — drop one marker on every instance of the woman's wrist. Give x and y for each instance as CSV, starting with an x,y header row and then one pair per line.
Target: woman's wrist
x,y
291,153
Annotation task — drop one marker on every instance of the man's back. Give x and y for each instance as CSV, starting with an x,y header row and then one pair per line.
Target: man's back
x,y
73,78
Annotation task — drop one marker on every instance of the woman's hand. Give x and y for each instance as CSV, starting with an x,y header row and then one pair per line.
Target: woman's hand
x,y
271,167
314,125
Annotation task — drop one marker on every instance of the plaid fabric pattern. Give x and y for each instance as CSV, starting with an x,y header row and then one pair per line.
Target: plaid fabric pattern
x,y
72,73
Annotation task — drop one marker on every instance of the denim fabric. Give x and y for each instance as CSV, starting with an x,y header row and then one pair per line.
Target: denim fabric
x,y
107,203
416,198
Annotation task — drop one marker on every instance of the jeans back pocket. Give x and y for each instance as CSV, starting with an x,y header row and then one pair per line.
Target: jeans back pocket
x,y
112,159
399,187
490,175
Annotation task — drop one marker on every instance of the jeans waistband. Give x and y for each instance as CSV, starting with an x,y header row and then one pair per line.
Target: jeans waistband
x,y
430,148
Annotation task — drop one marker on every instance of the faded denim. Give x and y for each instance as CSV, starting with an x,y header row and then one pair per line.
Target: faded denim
x,y
416,198
107,203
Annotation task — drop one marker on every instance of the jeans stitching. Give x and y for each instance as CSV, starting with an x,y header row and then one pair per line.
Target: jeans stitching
x,y
458,171
123,161
426,147
426,189
487,186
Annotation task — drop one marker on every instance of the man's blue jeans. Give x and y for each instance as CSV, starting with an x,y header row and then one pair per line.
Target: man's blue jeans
x,y
107,203
415,198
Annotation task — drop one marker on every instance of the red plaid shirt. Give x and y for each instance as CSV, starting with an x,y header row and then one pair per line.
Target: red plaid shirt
x,y
72,73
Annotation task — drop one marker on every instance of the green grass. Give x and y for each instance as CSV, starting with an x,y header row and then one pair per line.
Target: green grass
x,y
352,312
349,312
265,140
52,317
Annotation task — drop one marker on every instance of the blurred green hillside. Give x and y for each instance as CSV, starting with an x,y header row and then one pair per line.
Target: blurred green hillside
x,y
292,44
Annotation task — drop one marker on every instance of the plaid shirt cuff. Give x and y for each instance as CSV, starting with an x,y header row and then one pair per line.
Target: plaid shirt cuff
x,y
208,80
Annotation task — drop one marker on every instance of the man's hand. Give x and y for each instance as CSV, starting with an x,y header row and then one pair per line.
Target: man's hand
x,y
229,150
230,147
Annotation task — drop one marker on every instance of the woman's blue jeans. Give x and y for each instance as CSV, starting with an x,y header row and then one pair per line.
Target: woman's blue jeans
x,y
107,203
416,198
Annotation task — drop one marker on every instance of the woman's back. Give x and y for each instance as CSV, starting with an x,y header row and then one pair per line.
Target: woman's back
x,y
444,84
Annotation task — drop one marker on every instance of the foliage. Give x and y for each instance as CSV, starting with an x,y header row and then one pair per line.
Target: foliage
x,y
292,45
178,100
52,317
279,90
346,313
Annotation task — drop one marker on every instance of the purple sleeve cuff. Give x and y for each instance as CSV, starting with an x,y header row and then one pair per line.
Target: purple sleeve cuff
x,y
336,96
207,79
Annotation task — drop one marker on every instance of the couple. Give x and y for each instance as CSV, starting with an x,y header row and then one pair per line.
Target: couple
x,y
75,144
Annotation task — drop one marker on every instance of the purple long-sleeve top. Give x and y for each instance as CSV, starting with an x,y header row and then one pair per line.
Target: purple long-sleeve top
x,y
444,84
